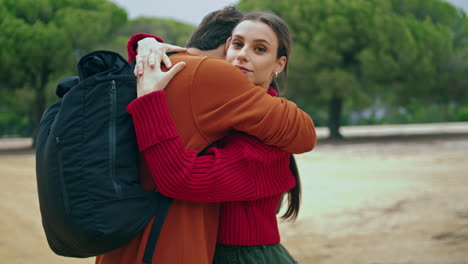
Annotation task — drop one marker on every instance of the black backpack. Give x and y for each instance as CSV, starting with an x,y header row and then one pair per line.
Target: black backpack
x,y
87,171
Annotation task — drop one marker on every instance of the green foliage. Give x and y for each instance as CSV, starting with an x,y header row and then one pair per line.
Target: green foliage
x,y
42,39
408,58
462,115
14,112
403,52
438,12
13,124
171,31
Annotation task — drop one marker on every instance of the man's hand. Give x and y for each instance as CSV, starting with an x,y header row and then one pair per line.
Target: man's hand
x,y
153,78
148,48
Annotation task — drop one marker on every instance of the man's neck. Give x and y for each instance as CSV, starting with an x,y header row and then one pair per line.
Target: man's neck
x,y
200,52
217,53
195,51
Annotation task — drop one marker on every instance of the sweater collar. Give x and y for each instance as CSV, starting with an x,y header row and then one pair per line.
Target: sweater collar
x,y
271,91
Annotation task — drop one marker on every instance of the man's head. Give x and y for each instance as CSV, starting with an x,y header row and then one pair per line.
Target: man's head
x,y
214,30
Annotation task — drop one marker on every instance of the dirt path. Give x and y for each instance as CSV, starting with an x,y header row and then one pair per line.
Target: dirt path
x,y
388,202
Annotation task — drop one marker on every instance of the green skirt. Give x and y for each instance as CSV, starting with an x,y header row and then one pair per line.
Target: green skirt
x,y
267,254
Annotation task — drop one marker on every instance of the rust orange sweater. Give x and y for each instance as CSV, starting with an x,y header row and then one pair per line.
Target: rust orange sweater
x,y
207,100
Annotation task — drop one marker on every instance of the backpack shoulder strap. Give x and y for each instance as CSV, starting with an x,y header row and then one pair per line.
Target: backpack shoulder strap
x,y
161,212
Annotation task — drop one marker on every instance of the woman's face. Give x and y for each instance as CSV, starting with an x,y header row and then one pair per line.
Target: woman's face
x,y
253,48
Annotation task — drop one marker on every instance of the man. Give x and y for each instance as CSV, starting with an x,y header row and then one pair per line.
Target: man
x,y
209,98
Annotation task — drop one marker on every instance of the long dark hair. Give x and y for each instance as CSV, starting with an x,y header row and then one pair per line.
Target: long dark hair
x,y
283,35
294,195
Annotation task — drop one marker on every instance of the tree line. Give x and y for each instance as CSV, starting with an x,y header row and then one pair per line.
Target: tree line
x,y
354,61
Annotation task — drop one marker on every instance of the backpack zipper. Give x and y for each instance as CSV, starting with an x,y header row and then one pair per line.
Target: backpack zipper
x,y
112,135
59,145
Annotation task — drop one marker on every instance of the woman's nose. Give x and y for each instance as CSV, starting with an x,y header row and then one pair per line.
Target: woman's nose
x,y
242,55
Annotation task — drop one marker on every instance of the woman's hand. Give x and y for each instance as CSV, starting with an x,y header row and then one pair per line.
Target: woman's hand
x,y
153,78
147,48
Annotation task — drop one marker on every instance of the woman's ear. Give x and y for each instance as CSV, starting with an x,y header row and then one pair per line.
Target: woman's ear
x,y
281,63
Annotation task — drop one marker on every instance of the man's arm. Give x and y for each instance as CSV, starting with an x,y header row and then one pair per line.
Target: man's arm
x,y
224,99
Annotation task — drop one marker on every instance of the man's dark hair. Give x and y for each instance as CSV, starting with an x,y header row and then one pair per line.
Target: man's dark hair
x,y
215,29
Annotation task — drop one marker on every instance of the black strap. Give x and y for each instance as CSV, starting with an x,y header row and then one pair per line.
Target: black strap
x,y
161,212
163,207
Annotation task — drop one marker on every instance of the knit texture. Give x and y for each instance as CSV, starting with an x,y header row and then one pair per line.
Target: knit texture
x,y
242,171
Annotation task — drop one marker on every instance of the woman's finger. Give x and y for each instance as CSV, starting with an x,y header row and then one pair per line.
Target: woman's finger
x,y
139,68
166,77
174,48
158,54
166,60
151,60
135,71
174,70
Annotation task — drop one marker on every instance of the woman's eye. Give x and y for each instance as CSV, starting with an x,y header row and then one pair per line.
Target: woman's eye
x,y
236,44
260,49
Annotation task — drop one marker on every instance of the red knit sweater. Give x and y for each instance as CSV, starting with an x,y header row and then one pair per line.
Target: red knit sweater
x,y
246,174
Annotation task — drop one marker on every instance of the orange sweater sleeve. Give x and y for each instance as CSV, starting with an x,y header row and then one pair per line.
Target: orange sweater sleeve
x,y
223,98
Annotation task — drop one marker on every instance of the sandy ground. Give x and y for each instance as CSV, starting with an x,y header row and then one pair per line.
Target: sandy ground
x,y
377,201
386,202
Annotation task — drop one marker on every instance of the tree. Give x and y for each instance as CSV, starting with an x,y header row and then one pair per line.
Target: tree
x,y
357,51
171,31
42,39
450,82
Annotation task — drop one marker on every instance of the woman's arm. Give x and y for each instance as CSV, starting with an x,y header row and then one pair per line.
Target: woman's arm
x,y
236,103
242,169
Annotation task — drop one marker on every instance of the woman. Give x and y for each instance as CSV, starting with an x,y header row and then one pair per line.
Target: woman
x,y
249,176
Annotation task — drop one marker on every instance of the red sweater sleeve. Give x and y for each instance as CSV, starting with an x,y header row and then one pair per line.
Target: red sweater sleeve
x,y
242,169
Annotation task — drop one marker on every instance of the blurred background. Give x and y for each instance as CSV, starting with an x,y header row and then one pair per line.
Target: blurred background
x,y
385,81
354,62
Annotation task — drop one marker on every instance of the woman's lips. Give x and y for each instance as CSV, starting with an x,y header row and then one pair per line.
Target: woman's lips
x,y
243,69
